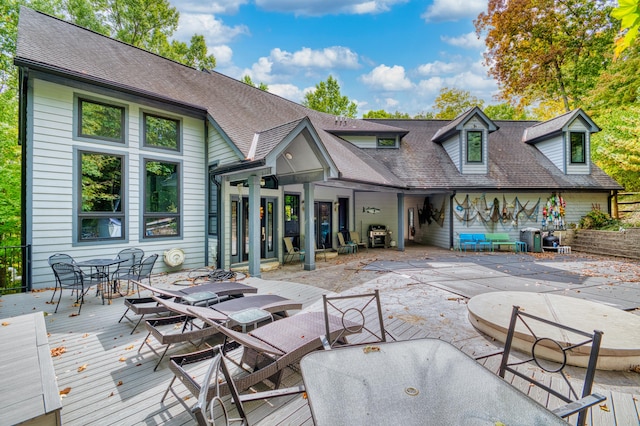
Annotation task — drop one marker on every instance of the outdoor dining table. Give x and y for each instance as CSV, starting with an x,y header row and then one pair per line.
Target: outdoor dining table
x,y
102,274
413,382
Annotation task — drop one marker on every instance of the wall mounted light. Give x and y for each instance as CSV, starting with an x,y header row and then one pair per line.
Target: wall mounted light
x,y
288,155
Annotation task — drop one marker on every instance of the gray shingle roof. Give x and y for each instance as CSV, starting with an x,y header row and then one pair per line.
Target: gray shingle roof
x,y
239,109
545,129
513,164
242,111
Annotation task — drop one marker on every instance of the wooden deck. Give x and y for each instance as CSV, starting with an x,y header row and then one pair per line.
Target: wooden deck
x,y
108,382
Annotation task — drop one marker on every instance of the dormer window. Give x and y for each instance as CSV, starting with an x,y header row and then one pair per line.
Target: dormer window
x,y
577,147
386,143
474,146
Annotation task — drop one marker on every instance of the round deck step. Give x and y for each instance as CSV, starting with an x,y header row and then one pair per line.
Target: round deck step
x,y
620,348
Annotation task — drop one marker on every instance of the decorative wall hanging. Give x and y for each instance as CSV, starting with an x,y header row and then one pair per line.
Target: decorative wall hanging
x,y
509,214
372,210
428,213
553,213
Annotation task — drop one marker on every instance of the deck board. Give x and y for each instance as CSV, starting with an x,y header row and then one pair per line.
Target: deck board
x,y
97,340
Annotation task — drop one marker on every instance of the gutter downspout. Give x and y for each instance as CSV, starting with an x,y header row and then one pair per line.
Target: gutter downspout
x,y
23,90
612,195
451,246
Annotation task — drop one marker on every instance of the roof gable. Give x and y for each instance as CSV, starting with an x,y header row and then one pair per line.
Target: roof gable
x,y
557,125
459,122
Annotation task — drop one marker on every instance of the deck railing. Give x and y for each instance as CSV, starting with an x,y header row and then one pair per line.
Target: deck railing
x,y
15,269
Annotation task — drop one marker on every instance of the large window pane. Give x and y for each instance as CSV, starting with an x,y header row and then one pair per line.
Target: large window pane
x,y
161,132
100,121
474,147
162,199
101,214
577,148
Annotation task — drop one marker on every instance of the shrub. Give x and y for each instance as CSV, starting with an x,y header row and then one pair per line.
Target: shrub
x,y
597,219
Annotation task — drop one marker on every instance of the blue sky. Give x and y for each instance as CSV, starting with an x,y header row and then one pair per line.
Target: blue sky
x,y
394,55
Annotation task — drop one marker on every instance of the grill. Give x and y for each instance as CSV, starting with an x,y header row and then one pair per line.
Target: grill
x,y
378,236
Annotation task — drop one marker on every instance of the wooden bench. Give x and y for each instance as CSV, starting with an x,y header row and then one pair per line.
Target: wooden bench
x,y
502,239
29,389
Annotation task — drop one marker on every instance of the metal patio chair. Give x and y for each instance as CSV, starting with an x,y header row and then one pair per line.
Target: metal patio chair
x,y
129,267
542,335
69,276
292,252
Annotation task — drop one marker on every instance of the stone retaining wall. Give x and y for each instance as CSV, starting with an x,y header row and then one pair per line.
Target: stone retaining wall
x,y
610,243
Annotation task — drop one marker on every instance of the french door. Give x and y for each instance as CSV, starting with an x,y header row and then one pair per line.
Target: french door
x,y
240,244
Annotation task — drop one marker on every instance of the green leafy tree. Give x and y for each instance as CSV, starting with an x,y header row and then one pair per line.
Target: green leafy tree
x,y
430,115
247,79
546,49
384,114
504,111
327,98
618,85
628,12
616,149
450,103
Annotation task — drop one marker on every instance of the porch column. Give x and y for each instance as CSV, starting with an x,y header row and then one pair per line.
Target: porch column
x,y
254,226
401,222
309,228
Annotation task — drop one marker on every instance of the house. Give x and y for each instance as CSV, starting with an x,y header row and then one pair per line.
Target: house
x,y
125,148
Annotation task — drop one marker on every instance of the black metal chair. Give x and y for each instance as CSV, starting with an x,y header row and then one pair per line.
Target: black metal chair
x,y
536,326
69,276
129,267
361,316
140,272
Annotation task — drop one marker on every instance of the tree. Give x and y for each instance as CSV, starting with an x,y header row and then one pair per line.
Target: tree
x,y
546,49
618,85
327,98
384,114
616,149
504,111
628,12
450,103
247,79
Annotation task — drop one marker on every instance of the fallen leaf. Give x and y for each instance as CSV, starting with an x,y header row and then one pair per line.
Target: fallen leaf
x,y
85,335
304,395
110,395
604,407
4,324
119,383
122,359
368,349
65,391
73,315
128,348
58,351
82,368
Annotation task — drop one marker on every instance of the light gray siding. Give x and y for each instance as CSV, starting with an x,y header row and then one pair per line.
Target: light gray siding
x,y
553,150
452,147
53,172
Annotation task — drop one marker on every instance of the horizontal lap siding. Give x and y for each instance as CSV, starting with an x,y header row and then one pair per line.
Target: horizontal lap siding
x,y
53,186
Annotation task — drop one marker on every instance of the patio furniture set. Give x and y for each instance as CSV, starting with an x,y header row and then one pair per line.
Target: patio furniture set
x,y
346,356
130,265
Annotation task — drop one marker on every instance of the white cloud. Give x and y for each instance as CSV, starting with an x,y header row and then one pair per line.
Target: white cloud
x,y
287,91
391,103
328,7
260,71
223,54
208,6
453,10
466,41
439,67
329,57
387,78
213,30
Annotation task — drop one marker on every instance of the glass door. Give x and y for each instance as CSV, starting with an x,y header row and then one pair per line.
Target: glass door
x,y
267,227
240,245
323,224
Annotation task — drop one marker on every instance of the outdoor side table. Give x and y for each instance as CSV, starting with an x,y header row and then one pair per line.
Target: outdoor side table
x,y
248,317
201,298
